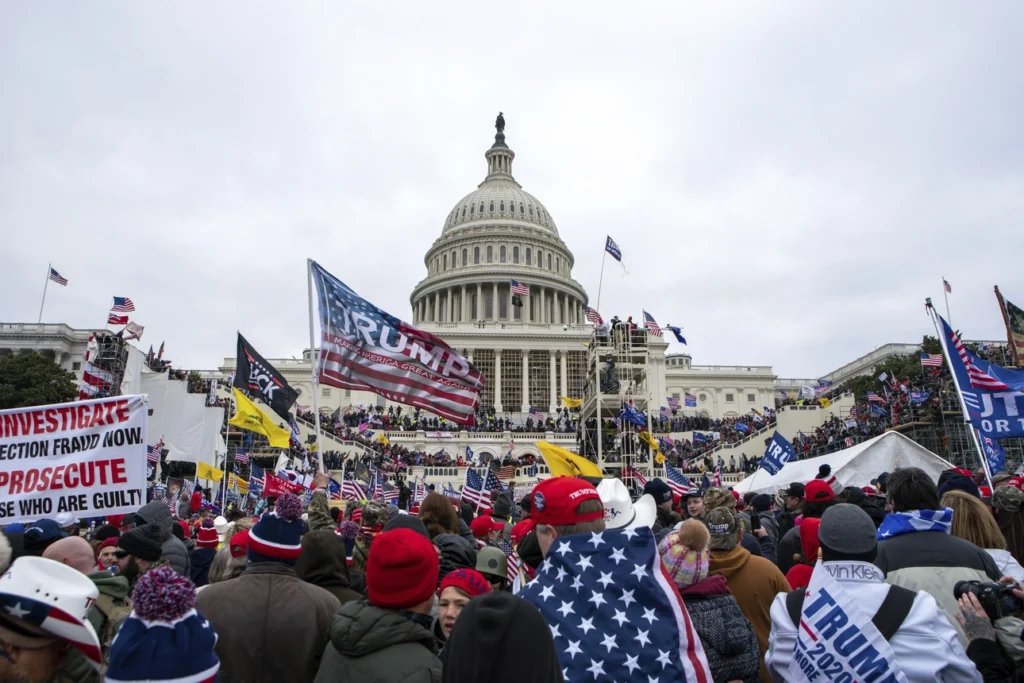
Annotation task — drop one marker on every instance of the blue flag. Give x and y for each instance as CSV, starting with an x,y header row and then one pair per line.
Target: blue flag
x,y
613,249
992,394
629,414
879,411
779,452
613,615
994,454
700,438
740,427
678,333
919,396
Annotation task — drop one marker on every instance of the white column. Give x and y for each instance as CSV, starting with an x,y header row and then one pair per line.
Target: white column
x,y
565,376
497,381
509,308
558,308
554,398
478,312
526,381
494,302
543,308
464,308
437,306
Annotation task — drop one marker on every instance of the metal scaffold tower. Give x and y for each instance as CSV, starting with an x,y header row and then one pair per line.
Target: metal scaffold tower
x,y
618,375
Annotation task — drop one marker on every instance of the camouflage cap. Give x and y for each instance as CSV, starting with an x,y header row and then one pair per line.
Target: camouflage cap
x,y
1007,498
375,514
717,498
722,525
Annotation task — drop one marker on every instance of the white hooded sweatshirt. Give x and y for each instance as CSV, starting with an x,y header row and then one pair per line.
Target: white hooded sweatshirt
x,y
1007,564
926,646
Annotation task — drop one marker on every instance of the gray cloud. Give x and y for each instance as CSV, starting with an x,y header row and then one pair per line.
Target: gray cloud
x,y
787,183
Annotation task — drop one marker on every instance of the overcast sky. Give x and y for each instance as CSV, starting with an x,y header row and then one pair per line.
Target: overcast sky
x,y
787,182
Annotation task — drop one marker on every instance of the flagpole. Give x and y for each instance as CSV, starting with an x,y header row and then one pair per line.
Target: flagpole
x,y
46,283
945,295
314,365
600,280
960,395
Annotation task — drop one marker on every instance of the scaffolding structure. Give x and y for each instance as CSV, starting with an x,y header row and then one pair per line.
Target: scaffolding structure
x,y
108,354
618,374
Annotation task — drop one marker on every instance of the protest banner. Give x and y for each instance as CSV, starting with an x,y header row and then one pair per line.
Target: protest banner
x,y
275,486
87,458
779,452
837,639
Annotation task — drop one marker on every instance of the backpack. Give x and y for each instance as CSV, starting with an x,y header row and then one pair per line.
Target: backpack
x,y
114,614
888,619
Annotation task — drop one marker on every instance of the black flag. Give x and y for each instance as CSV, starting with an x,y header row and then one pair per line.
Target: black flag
x,y
516,301
258,378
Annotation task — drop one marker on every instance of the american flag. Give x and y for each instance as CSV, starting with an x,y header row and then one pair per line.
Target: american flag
x,y
679,484
511,560
635,474
507,472
188,487
979,378
534,413
334,490
492,483
419,491
390,493
651,325
945,285
874,398
474,493
665,412
613,583
673,403
377,481
55,276
593,316
691,400
613,249
353,490
716,479
520,289
153,454
122,304
931,360
242,457
255,476
389,357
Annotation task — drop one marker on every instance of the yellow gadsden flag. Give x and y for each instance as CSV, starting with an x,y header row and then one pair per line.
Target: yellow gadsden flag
x,y
645,436
825,403
563,463
250,418
571,403
208,472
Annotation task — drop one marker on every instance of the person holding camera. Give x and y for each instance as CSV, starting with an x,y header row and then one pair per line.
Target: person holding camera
x,y
980,605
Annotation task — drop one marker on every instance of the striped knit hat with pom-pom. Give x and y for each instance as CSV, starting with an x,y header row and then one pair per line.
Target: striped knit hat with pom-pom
x,y
164,638
684,553
277,537
207,537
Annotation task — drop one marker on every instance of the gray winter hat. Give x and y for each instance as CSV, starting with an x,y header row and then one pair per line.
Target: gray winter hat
x,y
847,530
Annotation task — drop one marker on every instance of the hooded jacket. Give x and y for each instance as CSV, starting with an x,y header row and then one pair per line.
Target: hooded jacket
x,y
754,581
172,549
114,601
249,614
492,634
456,553
201,559
926,645
933,562
729,641
373,645
323,563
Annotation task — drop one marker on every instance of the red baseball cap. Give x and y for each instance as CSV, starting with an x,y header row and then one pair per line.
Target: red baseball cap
x,y
483,525
555,501
818,491
521,529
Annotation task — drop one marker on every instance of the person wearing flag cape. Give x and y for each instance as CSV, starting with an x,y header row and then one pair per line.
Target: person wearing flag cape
x,y
851,625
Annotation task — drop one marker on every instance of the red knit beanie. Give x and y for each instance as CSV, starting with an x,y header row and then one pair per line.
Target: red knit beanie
x,y
401,571
207,536
469,581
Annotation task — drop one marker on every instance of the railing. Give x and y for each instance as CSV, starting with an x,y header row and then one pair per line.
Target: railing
x,y
46,328
733,445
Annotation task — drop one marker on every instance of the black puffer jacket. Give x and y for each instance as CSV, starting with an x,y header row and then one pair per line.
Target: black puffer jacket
x,y
201,559
383,646
456,553
729,640
173,549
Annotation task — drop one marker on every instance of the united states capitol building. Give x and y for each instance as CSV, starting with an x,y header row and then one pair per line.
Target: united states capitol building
x,y
530,355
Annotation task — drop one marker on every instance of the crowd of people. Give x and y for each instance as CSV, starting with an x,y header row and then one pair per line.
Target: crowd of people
x,y
924,584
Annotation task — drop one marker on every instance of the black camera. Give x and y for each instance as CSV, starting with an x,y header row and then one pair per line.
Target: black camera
x,y
997,598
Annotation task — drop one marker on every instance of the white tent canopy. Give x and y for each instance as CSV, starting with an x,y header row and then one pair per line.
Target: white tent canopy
x,y
855,466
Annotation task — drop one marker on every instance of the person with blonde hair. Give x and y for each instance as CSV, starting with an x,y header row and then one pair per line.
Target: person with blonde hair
x,y
973,522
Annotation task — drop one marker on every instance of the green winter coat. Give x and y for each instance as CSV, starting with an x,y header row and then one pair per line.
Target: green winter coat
x,y
374,645
106,617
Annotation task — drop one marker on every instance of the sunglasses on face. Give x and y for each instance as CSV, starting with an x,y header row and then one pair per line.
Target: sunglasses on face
x,y
121,554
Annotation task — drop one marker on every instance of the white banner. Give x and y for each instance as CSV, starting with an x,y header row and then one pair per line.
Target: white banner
x,y
836,638
87,458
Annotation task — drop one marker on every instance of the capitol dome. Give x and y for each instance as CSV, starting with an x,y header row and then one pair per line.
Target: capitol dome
x,y
495,234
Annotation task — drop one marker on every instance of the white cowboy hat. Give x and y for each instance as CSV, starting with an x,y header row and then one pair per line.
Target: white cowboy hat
x,y
53,600
620,512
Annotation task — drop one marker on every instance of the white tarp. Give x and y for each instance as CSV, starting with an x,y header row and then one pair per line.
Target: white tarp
x,y
132,381
855,466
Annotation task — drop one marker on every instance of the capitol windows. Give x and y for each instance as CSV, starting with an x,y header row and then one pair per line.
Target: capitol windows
x,y
454,260
703,397
549,261
515,254
531,209
729,398
751,398
558,265
476,255
481,207
463,212
465,257
512,207
501,254
444,262
521,209
492,207
490,254
471,210
501,207
529,261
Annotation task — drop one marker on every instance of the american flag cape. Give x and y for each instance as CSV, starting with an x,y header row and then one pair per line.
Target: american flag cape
x,y
613,612
364,348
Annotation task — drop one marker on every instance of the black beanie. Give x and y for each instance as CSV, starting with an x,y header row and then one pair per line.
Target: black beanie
x,y
143,542
490,637
408,522
529,550
106,531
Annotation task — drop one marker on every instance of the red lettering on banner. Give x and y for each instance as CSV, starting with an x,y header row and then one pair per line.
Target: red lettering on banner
x,y
74,475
